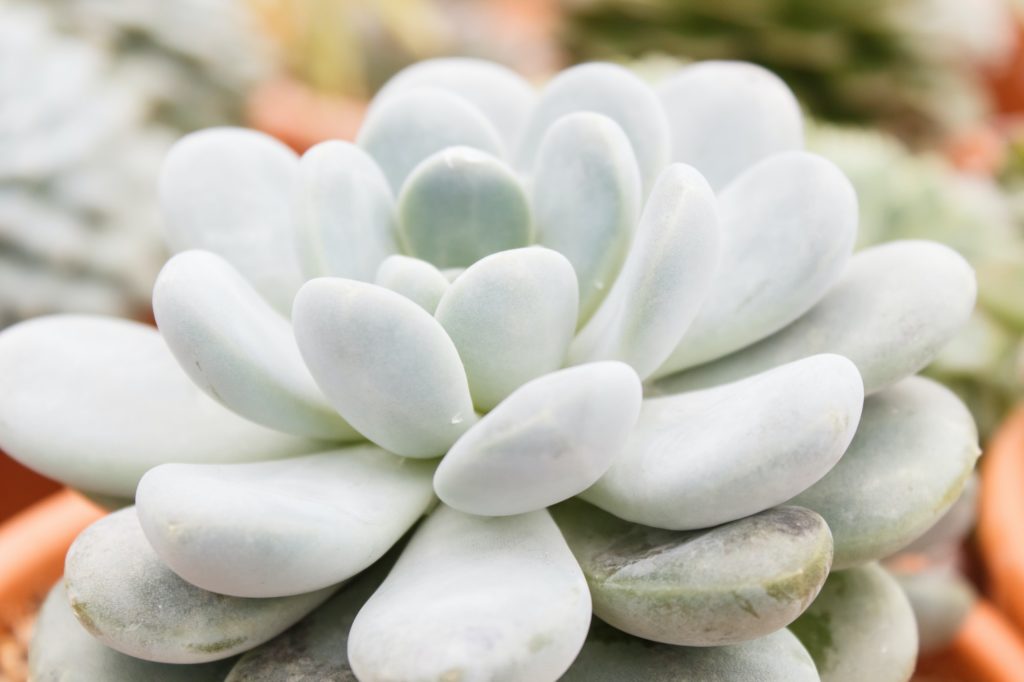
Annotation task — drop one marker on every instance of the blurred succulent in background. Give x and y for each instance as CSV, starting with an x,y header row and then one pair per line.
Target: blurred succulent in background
x,y
907,64
905,195
92,94
634,306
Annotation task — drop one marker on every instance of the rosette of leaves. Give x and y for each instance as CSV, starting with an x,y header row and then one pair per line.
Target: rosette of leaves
x,y
906,64
91,97
608,339
906,195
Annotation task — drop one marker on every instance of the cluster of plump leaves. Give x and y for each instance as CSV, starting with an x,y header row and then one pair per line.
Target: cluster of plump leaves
x,y
610,340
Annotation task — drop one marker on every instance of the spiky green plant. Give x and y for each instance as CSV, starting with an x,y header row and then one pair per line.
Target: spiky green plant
x,y
635,307
903,63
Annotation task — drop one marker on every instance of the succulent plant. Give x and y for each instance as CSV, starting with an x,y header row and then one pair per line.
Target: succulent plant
x,y
907,195
93,94
634,307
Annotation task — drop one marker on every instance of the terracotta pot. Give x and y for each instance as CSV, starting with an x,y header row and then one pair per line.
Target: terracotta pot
x,y
21,487
32,549
1001,517
301,117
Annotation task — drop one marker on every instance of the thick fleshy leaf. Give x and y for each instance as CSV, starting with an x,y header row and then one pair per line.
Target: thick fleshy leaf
x,y
725,116
664,280
914,451
610,90
549,440
273,529
343,213
63,650
460,205
127,598
788,226
946,535
316,648
410,126
227,190
891,312
493,313
941,600
586,199
475,599
504,96
860,628
416,279
95,402
699,459
385,364
611,655
723,585
238,349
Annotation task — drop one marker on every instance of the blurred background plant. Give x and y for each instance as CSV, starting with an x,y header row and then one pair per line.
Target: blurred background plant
x,y
92,93
908,65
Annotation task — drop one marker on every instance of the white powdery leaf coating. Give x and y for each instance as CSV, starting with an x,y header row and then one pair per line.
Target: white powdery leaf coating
x,y
712,587
611,655
610,90
475,599
460,205
64,650
725,116
504,97
385,364
417,280
586,199
664,280
343,213
699,459
128,599
410,126
227,190
891,312
787,230
273,529
861,627
546,442
238,349
511,315
912,456
95,402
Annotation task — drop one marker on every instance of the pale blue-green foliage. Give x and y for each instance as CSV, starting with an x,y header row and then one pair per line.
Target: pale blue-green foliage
x,y
479,286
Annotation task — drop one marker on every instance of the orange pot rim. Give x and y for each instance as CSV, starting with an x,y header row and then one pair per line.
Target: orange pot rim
x,y
32,548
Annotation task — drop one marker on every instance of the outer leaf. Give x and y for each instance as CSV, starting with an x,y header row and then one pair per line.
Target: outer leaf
x,y
475,599
273,529
238,349
726,116
227,190
95,402
891,312
699,459
125,596
788,227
